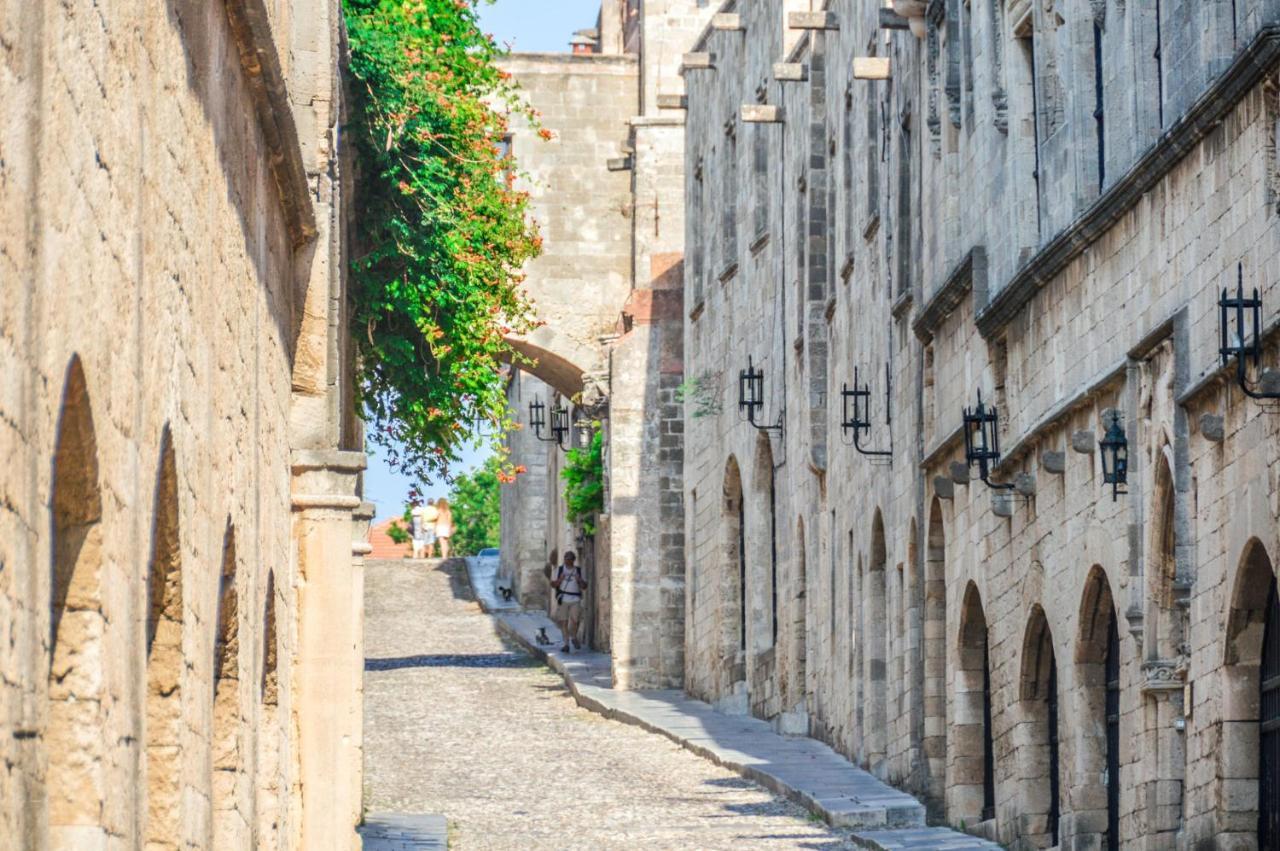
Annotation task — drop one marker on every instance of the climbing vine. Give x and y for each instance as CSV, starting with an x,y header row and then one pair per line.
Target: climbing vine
x,y
583,476
442,232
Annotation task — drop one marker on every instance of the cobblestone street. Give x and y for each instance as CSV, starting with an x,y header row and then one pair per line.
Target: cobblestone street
x,y
459,724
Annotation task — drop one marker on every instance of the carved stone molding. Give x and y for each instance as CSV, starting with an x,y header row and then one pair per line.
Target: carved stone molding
x,y
1161,675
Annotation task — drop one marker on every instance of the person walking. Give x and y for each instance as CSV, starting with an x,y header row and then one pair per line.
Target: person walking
x,y
569,584
444,525
424,530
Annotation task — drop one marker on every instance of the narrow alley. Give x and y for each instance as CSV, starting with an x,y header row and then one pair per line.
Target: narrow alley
x,y
458,723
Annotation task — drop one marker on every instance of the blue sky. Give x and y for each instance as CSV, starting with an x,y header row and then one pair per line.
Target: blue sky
x,y
534,26
537,26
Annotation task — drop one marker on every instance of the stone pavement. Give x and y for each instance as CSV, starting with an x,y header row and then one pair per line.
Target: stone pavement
x,y
801,769
463,724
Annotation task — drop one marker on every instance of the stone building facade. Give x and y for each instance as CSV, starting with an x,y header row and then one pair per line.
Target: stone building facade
x,y
181,526
1041,201
608,191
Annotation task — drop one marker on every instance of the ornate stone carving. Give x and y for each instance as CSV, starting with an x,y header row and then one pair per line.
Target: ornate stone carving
x,y
1163,675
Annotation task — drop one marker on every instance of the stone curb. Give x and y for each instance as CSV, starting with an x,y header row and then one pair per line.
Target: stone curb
x,y
886,824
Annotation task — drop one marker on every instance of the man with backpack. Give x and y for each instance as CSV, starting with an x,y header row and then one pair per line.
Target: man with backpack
x,y
569,585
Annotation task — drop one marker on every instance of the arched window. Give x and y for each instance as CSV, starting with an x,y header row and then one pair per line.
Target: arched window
x,y
75,740
165,664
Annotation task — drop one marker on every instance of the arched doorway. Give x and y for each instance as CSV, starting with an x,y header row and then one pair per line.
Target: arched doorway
x,y
1097,695
934,641
165,663
228,822
1042,776
1269,728
733,573
1250,748
75,739
875,634
269,732
973,796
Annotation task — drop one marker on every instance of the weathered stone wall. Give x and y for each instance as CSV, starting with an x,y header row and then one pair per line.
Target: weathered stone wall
x,y
159,245
939,231
583,274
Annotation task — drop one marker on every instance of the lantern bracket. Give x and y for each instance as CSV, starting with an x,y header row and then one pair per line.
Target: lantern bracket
x,y
1245,344
751,396
859,421
538,421
982,442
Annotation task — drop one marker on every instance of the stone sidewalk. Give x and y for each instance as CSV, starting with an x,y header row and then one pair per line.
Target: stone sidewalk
x,y
801,769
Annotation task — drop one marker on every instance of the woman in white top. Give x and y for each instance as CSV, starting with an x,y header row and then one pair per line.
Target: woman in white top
x,y
444,525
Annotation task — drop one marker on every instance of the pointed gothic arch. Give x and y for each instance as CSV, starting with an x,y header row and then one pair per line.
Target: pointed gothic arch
x,y
874,618
764,626
1247,754
733,580
1040,734
269,736
973,795
1096,705
165,662
75,737
228,762
934,638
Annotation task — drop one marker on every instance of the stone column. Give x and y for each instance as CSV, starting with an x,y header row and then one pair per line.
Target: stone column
x,y
330,525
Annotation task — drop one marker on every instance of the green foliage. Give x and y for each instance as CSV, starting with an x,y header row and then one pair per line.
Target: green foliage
x,y
441,232
475,503
701,393
398,534
583,476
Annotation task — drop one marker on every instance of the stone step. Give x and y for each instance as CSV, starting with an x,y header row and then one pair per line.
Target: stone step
x,y
922,839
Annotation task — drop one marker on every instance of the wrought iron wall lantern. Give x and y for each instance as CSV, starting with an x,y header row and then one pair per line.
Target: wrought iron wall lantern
x,y
982,441
560,424
538,422
1244,342
1114,447
858,420
751,395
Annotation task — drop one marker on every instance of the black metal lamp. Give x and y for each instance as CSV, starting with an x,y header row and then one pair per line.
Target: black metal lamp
x,y
858,420
1243,342
1114,447
982,441
538,420
559,424
751,395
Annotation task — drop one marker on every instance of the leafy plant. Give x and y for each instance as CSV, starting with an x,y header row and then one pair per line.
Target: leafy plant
x,y
702,393
583,476
441,231
475,500
398,534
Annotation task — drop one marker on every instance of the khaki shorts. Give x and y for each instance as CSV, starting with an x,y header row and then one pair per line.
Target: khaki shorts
x,y
570,610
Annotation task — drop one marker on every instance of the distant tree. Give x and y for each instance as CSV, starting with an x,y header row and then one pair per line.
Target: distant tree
x,y
475,502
